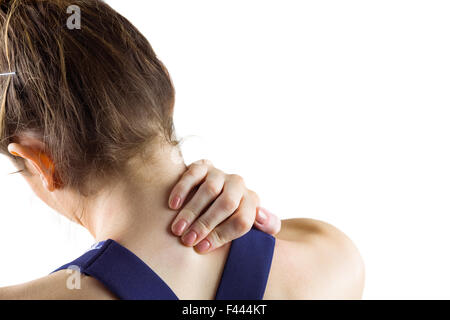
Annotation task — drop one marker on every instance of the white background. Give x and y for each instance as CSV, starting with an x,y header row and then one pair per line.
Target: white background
x,y
334,110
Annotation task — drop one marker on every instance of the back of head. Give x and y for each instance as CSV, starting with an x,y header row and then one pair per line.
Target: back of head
x,y
95,96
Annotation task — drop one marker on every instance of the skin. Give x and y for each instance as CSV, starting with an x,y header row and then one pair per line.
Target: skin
x,y
312,259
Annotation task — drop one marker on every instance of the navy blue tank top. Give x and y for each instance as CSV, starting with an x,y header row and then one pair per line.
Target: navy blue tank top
x,y
244,276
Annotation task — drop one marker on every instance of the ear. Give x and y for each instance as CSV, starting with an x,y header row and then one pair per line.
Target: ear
x,y
38,160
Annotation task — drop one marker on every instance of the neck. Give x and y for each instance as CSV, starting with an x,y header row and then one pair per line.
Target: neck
x,y
135,207
135,213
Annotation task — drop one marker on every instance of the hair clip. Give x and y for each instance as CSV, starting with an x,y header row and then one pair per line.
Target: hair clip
x,y
7,73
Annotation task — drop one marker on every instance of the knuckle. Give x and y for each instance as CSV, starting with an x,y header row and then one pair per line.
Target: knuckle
x,y
218,238
206,162
202,227
187,214
243,224
190,173
237,178
218,172
197,162
228,203
211,188
194,170
254,196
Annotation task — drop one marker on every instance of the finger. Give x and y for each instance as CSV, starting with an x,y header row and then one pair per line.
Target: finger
x,y
195,174
206,162
234,227
267,221
209,190
225,205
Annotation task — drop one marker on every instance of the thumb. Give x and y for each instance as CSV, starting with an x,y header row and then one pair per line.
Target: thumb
x,y
267,221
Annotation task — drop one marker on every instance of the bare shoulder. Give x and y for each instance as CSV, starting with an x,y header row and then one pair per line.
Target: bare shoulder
x,y
61,285
314,260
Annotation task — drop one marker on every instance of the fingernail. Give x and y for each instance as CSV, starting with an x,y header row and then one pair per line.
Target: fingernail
x,y
203,246
261,217
178,228
176,202
189,238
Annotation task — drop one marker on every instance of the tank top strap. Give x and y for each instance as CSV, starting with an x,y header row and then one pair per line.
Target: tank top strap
x,y
122,272
244,276
247,268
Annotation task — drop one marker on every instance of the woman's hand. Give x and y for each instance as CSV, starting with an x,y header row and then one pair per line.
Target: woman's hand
x,y
230,209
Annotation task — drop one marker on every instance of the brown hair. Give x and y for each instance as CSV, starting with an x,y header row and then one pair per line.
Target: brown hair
x,y
96,96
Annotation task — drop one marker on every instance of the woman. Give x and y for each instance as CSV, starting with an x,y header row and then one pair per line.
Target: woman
x,y
87,114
